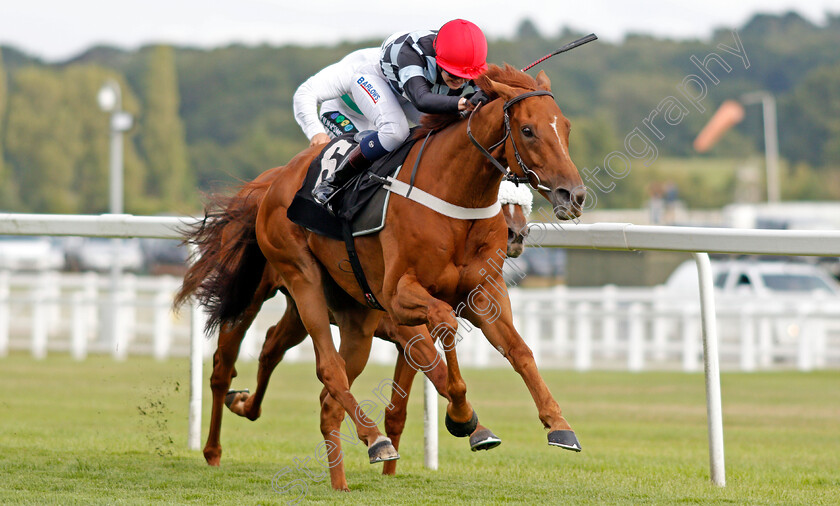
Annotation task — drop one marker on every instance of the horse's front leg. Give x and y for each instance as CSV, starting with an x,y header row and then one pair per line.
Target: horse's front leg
x,y
497,326
410,301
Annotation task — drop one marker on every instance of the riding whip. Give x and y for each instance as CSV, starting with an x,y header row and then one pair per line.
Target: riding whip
x,y
571,45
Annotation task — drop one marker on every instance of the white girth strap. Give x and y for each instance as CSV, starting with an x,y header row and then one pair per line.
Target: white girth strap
x,y
442,206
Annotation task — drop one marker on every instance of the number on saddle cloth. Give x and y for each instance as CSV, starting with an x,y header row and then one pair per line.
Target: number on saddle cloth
x,y
332,156
309,214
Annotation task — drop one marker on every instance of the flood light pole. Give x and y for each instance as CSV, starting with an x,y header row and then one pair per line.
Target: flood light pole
x,y
771,140
110,100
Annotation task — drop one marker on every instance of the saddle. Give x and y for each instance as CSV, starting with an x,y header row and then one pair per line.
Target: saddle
x,y
363,205
364,201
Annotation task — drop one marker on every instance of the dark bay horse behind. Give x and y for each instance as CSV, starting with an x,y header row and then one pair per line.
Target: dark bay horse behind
x,y
421,266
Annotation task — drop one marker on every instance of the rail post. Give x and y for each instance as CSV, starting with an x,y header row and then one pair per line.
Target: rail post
x,y
712,368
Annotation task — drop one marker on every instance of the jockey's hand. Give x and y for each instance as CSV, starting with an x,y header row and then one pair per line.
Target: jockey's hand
x,y
321,138
470,102
478,97
464,107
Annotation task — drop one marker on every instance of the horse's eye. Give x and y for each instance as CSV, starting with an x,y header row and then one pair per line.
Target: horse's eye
x,y
527,132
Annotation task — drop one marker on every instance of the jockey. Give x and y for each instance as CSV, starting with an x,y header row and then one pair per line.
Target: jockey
x,y
418,72
335,90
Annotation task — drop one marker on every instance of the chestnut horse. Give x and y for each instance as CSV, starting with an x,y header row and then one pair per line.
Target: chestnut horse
x,y
420,266
516,207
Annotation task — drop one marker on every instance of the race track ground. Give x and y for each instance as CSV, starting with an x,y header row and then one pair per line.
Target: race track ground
x,y
103,432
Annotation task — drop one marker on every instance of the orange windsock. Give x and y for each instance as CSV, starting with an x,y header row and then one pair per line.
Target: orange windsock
x,y
729,114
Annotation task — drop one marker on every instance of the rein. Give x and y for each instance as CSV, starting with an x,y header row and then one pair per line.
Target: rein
x,y
530,177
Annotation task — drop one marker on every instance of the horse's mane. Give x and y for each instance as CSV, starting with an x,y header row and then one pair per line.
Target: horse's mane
x,y
508,75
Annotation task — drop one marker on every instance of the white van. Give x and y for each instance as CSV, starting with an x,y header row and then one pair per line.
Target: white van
x,y
760,278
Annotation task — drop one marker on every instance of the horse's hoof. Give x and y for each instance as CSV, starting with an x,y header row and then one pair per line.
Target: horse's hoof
x,y
565,439
461,429
231,396
483,439
213,456
382,450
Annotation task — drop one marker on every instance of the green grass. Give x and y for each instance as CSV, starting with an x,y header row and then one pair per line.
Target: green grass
x,y
101,432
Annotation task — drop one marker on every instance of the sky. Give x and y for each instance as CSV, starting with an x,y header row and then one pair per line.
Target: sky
x,y
57,29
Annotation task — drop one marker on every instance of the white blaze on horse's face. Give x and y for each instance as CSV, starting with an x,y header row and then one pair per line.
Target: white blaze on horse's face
x,y
559,139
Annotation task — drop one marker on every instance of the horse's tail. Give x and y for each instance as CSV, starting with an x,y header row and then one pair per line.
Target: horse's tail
x,y
226,270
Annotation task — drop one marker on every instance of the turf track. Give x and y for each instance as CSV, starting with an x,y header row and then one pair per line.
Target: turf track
x,y
102,432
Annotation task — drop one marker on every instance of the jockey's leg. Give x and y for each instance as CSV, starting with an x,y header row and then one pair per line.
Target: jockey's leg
x,y
339,119
354,163
379,105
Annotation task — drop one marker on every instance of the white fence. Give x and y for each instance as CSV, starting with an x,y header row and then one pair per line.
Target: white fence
x,y
581,328
616,236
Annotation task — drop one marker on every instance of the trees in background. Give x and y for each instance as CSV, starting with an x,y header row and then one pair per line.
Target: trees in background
x,y
207,118
8,191
57,140
811,128
169,183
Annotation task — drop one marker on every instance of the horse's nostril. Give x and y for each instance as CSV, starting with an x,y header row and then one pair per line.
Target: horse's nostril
x,y
563,195
511,234
579,196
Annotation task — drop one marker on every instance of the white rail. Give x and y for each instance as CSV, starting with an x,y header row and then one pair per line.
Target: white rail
x,y
626,236
584,328
615,236
700,242
123,226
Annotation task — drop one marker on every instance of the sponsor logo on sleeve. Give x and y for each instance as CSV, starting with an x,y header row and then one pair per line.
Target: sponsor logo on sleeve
x,y
368,87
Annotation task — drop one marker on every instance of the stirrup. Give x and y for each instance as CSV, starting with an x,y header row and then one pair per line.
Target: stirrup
x,y
328,203
315,193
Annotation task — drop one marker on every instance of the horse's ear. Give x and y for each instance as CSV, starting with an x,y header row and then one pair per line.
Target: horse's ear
x,y
543,82
492,88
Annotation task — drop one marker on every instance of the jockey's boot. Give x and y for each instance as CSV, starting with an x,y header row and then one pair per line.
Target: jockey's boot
x,y
354,163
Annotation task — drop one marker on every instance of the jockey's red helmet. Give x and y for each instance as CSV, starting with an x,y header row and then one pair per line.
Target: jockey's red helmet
x,y
461,49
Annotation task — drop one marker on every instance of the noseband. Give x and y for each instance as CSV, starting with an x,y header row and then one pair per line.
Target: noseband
x,y
530,177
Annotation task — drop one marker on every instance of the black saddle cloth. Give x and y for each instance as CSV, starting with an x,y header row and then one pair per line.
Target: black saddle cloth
x,y
361,191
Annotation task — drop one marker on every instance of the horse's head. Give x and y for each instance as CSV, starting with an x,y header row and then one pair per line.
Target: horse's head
x,y
516,207
538,144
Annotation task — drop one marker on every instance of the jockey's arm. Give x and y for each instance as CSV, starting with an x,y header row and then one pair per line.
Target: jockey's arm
x,y
420,94
327,84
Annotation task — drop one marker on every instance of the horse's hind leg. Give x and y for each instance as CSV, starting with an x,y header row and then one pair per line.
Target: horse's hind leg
x,y
311,302
356,327
423,357
223,372
286,334
230,338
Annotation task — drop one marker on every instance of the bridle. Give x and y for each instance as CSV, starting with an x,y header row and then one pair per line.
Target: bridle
x,y
530,177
